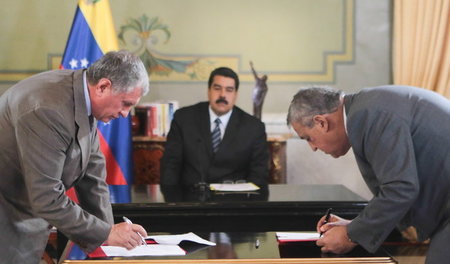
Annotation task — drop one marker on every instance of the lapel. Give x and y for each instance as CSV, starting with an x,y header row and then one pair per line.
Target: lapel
x,y
231,130
205,128
81,119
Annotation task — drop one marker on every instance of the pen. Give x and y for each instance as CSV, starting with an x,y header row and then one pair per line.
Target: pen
x,y
128,221
327,218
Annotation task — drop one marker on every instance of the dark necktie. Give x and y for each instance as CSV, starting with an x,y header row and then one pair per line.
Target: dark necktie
x,y
91,122
216,135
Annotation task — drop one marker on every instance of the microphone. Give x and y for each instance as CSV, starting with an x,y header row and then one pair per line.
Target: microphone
x,y
202,187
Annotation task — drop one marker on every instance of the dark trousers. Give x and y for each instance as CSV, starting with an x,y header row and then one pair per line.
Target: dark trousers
x,y
439,250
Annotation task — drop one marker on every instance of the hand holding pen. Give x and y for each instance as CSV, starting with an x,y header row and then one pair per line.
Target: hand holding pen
x,y
327,219
126,235
337,240
128,221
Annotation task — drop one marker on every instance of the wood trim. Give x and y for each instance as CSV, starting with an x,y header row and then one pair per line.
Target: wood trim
x,y
373,260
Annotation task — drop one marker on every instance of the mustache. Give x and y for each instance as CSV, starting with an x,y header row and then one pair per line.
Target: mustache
x,y
221,100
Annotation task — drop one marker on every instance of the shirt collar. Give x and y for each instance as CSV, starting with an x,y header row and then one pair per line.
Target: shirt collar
x,y
86,95
223,118
345,114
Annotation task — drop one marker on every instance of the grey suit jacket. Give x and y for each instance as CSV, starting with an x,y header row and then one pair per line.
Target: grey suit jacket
x,y
188,157
401,139
47,147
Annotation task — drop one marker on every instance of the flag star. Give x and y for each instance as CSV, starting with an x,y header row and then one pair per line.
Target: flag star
x,y
84,63
73,63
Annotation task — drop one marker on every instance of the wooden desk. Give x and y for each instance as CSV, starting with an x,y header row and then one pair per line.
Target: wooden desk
x,y
148,151
276,207
253,216
234,247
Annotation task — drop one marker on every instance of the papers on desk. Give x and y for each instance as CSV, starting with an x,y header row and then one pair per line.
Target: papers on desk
x,y
297,236
166,245
176,239
233,187
144,250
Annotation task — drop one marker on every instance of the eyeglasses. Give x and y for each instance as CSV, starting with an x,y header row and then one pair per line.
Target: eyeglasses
x,y
234,182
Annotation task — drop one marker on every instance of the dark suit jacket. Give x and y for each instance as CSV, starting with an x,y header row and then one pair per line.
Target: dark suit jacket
x,y
188,157
401,139
47,147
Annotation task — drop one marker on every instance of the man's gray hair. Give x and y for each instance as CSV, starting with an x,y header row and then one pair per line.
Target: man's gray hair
x,y
312,101
124,69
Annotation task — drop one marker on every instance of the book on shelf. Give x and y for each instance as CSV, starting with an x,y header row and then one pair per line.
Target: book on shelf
x,y
154,118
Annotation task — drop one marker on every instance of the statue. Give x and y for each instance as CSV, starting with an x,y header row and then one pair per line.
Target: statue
x,y
259,92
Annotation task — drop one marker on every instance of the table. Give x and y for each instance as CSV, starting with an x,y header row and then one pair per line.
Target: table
x,y
276,207
243,247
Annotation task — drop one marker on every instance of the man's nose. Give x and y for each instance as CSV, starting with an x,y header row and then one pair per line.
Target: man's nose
x,y
313,147
222,93
124,112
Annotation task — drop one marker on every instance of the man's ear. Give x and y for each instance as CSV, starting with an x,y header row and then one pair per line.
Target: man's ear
x,y
321,122
103,86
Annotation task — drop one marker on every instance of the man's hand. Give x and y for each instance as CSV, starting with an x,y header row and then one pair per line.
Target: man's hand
x,y
126,235
333,221
334,238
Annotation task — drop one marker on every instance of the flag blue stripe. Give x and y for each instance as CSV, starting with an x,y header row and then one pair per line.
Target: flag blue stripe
x,y
120,193
76,253
82,46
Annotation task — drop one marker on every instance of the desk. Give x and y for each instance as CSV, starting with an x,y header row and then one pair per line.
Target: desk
x,y
276,207
147,152
241,248
280,207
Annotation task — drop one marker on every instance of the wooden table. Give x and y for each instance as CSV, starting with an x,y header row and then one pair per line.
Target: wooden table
x,y
249,217
275,207
242,247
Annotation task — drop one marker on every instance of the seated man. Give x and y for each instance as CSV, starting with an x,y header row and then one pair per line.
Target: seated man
x,y
215,141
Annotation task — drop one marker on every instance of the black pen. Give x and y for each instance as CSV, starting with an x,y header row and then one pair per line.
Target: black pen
x,y
327,218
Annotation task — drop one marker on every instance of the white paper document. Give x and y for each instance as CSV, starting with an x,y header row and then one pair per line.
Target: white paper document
x,y
167,245
297,236
144,250
233,187
176,239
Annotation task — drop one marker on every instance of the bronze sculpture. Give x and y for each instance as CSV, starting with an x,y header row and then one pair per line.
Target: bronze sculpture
x,y
259,92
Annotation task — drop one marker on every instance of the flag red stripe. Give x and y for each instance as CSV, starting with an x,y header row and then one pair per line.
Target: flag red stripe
x,y
72,195
114,174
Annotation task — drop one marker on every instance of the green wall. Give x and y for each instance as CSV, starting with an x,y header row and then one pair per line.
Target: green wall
x,y
294,42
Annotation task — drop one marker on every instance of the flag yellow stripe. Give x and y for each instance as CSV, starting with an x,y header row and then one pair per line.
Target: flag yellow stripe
x,y
99,19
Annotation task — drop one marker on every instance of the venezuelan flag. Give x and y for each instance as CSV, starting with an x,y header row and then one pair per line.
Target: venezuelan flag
x,y
91,36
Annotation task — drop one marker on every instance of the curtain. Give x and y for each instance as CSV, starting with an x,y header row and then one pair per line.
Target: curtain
x,y
421,47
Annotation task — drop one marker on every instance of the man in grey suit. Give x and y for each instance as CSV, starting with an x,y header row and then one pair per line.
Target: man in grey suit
x,y
401,139
241,152
49,143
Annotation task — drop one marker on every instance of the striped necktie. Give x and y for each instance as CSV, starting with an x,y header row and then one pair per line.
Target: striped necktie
x,y
216,135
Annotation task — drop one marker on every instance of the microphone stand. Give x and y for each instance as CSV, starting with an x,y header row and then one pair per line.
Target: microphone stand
x,y
202,187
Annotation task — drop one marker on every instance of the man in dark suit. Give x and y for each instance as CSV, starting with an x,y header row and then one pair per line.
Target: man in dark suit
x,y
190,155
401,139
49,143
